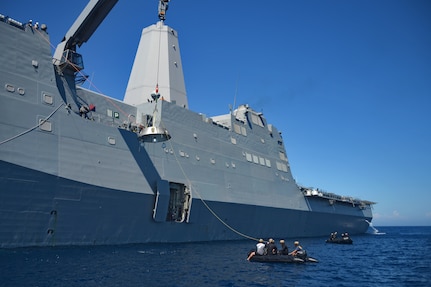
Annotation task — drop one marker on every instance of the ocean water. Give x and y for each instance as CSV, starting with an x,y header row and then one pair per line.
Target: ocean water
x,y
398,256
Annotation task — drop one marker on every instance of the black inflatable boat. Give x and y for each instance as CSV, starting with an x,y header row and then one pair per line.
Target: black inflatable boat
x,y
343,240
281,259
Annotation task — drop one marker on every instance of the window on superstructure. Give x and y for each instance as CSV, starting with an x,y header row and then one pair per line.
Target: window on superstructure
x,y
248,157
237,128
281,166
255,159
257,120
282,156
268,162
243,131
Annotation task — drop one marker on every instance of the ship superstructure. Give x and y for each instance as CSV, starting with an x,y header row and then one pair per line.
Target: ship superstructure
x,y
78,167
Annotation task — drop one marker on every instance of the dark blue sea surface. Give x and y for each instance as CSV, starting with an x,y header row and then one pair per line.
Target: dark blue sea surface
x,y
399,257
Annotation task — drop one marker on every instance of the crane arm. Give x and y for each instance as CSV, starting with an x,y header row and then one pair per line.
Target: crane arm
x,y
84,26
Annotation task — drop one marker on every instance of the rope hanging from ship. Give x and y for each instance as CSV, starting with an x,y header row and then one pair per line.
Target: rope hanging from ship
x,y
33,128
193,190
221,220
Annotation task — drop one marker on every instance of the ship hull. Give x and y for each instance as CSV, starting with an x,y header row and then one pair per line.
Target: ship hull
x,y
34,213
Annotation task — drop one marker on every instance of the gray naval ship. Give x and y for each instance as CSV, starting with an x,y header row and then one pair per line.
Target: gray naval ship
x,y
78,167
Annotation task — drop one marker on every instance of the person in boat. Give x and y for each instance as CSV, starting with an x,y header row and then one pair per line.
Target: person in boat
x,y
271,248
332,236
283,248
260,249
298,251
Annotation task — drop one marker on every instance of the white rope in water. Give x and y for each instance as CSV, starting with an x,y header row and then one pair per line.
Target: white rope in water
x,y
224,223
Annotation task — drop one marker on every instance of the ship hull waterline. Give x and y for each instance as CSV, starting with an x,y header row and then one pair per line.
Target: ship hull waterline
x,y
93,215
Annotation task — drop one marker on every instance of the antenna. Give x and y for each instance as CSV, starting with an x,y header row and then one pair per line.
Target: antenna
x,y
236,93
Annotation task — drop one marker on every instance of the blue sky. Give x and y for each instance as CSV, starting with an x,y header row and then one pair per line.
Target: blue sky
x,y
347,82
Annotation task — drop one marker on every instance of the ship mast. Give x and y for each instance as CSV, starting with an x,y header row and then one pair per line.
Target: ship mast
x,y
157,61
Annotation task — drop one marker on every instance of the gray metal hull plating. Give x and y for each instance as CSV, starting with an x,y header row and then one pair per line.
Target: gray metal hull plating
x,y
33,215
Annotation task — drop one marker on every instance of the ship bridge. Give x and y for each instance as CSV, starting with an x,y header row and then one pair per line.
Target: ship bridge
x,y
244,114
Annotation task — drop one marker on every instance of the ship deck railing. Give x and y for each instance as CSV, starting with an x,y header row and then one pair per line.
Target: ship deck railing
x,y
11,22
310,192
